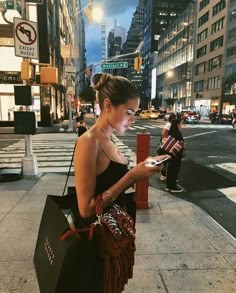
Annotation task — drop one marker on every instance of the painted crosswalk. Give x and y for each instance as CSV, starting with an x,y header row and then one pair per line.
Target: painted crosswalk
x,y
161,125
53,152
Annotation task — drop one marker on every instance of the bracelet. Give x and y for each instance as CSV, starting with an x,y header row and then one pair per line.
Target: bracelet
x,y
111,199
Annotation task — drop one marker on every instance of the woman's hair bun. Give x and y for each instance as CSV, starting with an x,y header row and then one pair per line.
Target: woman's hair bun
x,y
100,79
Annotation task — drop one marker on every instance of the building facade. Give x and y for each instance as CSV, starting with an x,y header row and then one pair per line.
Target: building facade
x,y
211,31
175,62
57,46
158,15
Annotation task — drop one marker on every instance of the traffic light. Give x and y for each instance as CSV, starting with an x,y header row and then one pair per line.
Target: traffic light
x,y
137,63
48,75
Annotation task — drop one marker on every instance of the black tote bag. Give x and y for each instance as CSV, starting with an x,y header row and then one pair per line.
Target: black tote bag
x,y
60,264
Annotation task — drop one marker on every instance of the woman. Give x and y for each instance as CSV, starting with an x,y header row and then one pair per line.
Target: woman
x,y
173,165
99,166
164,135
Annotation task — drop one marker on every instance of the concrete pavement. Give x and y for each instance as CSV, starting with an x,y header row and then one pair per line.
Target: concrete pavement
x,y
179,247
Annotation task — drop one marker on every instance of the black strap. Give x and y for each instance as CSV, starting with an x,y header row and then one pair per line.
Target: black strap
x,y
68,173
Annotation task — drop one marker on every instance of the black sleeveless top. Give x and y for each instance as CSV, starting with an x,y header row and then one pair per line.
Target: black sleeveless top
x,y
113,173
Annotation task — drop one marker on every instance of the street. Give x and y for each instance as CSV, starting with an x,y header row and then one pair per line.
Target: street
x,y
208,172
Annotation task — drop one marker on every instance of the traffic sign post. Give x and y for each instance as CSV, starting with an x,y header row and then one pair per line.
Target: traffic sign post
x,y
114,65
26,38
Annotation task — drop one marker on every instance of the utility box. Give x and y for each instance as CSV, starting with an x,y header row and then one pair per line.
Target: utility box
x,y
48,75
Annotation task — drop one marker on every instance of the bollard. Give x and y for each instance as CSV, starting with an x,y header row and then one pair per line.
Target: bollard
x,y
142,152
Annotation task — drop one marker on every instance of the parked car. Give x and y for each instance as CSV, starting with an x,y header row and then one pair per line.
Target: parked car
x,y
145,114
154,114
167,115
190,117
221,119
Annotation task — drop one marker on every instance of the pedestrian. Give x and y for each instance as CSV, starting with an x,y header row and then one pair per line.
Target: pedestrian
x,y
100,168
164,135
81,127
173,166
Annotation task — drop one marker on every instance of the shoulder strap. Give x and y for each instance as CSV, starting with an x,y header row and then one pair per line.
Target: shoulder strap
x,y
68,173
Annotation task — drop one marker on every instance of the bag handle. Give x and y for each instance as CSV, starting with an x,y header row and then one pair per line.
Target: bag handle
x,y
68,173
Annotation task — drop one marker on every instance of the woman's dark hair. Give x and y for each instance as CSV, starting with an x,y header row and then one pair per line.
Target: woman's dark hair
x,y
117,88
174,126
171,117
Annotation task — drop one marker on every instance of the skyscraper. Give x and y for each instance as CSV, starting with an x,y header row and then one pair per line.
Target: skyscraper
x,y
158,15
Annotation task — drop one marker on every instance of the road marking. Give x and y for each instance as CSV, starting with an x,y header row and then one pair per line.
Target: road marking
x,y
230,192
230,167
199,134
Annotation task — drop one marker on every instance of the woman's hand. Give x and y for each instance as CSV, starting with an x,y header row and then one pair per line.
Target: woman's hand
x,y
147,168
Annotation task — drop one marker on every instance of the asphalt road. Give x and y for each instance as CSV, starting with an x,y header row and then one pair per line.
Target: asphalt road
x,y
199,175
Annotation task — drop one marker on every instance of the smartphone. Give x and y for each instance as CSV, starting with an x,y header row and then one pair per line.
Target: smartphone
x,y
156,163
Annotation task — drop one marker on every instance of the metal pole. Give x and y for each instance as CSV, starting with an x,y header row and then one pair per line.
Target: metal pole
x,y
29,166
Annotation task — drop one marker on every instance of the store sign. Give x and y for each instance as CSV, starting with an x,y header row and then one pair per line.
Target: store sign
x,y
10,77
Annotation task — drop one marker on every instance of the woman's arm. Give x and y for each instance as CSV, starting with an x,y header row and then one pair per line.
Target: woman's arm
x,y
85,166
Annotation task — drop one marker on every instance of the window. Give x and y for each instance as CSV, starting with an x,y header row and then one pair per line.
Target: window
x,y
218,7
215,63
213,83
202,36
200,68
203,19
217,43
231,34
232,16
203,4
231,51
218,25
198,86
201,51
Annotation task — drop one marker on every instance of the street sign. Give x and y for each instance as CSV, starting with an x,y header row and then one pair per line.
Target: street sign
x,y
26,38
34,1
114,65
70,70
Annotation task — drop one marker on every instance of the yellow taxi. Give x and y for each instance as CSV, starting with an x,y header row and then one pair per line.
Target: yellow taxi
x,y
154,114
145,114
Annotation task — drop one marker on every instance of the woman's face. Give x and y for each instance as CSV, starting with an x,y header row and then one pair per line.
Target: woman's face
x,y
121,117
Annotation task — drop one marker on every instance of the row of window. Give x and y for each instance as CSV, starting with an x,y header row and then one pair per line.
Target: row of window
x,y
214,45
213,83
215,10
213,63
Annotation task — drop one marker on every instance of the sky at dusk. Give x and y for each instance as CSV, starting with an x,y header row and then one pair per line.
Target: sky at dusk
x,y
122,10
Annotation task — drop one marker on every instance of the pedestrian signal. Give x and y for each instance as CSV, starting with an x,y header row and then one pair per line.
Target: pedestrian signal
x,y
28,71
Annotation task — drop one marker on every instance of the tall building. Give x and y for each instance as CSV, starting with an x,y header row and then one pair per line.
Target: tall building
x,y
211,32
228,101
175,62
134,38
158,15
106,27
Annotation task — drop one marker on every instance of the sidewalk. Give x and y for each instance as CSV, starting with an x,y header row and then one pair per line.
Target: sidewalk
x,y
179,247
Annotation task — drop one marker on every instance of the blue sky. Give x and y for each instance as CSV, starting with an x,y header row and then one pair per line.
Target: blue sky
x,y
122,10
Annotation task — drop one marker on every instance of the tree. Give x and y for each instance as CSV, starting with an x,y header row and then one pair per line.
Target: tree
x,y
88,95
170,102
